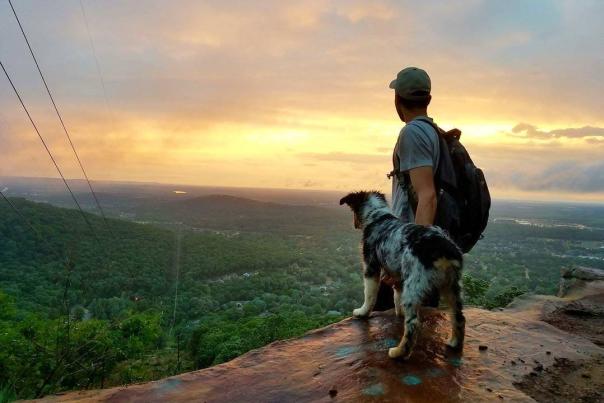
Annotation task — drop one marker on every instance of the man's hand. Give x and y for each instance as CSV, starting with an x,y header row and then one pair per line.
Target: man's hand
x,y
422,179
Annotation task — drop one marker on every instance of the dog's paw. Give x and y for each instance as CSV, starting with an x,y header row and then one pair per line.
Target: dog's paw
x,y
360,313
394,352
399,352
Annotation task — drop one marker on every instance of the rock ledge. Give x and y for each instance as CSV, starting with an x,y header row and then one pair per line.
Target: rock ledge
x,y
529,353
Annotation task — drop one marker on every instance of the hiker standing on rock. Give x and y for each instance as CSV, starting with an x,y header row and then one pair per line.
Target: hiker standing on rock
x,y
434,180
416,152
416,155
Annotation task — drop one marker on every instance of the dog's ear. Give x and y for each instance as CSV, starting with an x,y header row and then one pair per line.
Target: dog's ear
x,y
354,199
346,199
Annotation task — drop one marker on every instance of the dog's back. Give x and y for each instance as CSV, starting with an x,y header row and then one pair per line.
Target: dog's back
x,y
388,240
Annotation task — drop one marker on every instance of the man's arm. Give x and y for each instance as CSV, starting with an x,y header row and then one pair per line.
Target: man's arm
x,y
422,179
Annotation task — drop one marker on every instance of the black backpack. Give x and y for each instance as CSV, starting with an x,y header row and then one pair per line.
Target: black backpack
x,y
462,192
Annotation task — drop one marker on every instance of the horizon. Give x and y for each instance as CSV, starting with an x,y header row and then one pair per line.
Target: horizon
x,y
295,96
179,186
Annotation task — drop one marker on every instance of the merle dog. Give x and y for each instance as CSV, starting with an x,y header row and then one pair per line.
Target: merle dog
x,y
419,259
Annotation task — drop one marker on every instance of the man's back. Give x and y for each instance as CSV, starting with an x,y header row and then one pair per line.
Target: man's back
x,y
417,146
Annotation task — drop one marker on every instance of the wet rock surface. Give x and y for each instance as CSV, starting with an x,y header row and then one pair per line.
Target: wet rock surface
x,y
541,348
348,361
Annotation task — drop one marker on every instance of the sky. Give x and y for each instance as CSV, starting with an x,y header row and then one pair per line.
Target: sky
x,y
290,94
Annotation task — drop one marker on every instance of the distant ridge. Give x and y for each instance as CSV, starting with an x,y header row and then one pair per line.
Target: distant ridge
x,y
222,203
221,211
228,200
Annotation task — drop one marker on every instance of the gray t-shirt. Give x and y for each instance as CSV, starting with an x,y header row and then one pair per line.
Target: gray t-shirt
x,y
417,146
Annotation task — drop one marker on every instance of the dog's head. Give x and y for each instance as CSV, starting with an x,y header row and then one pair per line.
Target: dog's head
x,y
357,201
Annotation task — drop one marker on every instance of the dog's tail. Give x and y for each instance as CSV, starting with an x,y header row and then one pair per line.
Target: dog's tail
x,y
448,255
434,248
444,264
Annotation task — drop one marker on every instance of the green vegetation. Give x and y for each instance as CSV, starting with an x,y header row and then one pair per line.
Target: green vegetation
x,y
76,312
80,313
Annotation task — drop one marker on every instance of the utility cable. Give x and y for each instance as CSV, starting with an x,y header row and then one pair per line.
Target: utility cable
x,y
48,151
60,118
96,59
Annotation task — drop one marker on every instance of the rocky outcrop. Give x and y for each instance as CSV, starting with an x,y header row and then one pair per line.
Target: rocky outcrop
x,y
523,353
582,280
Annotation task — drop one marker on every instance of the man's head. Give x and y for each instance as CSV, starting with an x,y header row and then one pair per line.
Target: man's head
x,y
412,88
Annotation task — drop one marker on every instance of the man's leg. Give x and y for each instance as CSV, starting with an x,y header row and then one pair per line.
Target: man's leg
x,y
432,299
385,298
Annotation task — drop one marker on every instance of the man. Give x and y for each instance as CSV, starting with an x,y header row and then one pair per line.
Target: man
x,y
415,160
416,152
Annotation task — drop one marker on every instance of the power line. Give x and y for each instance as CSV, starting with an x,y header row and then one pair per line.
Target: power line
x,y
48,151
177,267
60,118
96,59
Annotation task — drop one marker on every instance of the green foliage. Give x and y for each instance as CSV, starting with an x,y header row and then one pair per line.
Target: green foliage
x,y
7,306
32,269
503,298
45,356
7,394
245,280
476,292
218,340
108,320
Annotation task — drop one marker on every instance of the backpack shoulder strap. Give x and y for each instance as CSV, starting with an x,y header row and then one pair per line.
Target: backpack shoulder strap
x,y
444,175
456,133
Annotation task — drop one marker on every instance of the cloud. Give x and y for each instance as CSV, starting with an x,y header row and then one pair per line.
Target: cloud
x,y
357,11
525,130
311,184
571,176
546,175
350,158
196,87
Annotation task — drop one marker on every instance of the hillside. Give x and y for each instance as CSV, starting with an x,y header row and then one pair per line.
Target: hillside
x,y
208,278
225,212
33,265
77,312
516,354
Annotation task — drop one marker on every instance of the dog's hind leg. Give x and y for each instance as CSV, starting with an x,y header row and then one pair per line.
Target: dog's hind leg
x,y
371,281
458,321
415,288
410,309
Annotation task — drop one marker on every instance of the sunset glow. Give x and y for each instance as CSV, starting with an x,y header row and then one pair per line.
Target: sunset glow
x,y
295,95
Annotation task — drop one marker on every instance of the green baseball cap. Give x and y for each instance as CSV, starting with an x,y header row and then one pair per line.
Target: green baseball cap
x,y
412,83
